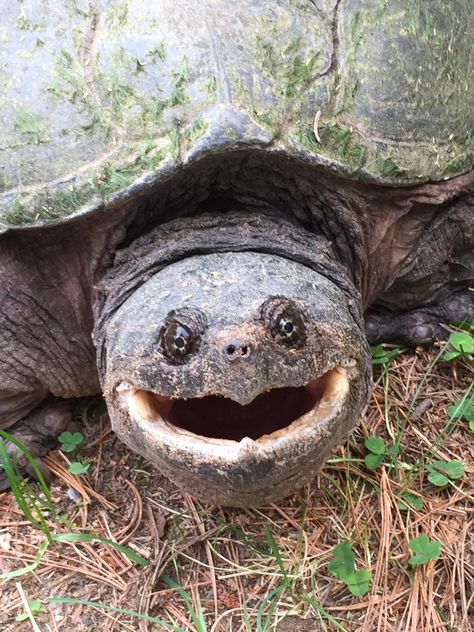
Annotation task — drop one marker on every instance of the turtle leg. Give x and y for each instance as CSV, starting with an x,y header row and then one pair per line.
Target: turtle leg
x,y
38,432
419,327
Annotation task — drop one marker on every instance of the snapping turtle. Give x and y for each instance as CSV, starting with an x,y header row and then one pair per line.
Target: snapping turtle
x,y
209,217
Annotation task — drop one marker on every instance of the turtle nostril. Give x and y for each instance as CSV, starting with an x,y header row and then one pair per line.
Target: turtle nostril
x,y
237,350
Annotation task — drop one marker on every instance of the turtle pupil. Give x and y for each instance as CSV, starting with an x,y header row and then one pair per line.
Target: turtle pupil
x,y
179,343
181,339
288,327
284,321
180,335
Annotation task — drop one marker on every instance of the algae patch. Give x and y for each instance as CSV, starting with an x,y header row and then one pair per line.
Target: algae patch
x,y
30,125
337,142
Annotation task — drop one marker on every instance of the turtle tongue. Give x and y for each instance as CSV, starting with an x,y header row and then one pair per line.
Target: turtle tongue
x,y
221,418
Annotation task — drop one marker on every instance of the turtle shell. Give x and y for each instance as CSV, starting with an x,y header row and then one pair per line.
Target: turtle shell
x,y
101,100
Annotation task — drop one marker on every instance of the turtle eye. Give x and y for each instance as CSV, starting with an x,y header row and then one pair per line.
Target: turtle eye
x,y
177,339
284,321
288,328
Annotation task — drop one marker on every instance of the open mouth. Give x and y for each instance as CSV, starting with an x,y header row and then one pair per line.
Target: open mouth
x,y
268,416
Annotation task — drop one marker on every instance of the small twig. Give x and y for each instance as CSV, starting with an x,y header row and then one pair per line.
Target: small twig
x,y
202,530
124,535
26,606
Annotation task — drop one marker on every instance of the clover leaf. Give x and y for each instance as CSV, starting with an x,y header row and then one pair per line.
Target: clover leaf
x,y
463,409
440,473
358,582
425,550
381,356
78,468
35,608
375,444
344,560
378,452
70,440
343,567
462,345
408,500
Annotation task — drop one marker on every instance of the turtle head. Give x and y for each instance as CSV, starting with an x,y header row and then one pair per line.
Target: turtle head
x,y
235,373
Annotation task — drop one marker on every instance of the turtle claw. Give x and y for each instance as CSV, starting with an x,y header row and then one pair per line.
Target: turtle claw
x,y
38,434
418,327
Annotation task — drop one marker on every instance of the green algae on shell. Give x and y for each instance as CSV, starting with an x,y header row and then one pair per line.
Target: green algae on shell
x,y
95,101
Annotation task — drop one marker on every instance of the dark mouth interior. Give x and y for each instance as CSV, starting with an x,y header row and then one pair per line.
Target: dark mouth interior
x,y
221,418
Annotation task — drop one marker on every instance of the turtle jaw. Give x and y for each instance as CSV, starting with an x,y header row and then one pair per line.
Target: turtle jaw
x,y
219,418
235,468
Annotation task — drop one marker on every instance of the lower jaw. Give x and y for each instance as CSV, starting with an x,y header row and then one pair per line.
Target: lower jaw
x,y
235,468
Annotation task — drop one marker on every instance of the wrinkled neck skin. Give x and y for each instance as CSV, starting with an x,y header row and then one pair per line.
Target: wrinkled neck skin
x,y
231,353
373,229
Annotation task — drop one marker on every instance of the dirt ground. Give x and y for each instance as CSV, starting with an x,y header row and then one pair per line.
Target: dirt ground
x,y
217,569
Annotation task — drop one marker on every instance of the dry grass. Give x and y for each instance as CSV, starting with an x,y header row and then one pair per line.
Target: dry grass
x,y
265,568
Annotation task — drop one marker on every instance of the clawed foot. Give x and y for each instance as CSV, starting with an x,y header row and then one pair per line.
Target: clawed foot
x,y
38,433
418,327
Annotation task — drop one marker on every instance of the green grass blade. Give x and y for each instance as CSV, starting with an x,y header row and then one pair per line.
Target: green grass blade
x,y
90,537
31,567
276,554
15,485
421,384
197,617
273,597
322,613
245,617
41,482
103,606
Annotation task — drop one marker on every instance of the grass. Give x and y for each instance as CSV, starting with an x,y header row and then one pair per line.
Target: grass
x,y
286,566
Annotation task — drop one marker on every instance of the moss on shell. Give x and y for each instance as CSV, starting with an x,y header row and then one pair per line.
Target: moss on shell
x,y
178,94
388,169
31,126
24,23
121,91
112,178
5,181
196,130
337,142
158,52
211,86
50,205
460,162
18,212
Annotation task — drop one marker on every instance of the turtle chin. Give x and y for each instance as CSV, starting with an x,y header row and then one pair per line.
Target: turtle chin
x,y
240,455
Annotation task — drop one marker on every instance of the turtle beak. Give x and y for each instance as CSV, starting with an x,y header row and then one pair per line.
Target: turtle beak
x,y
268,415
233,454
